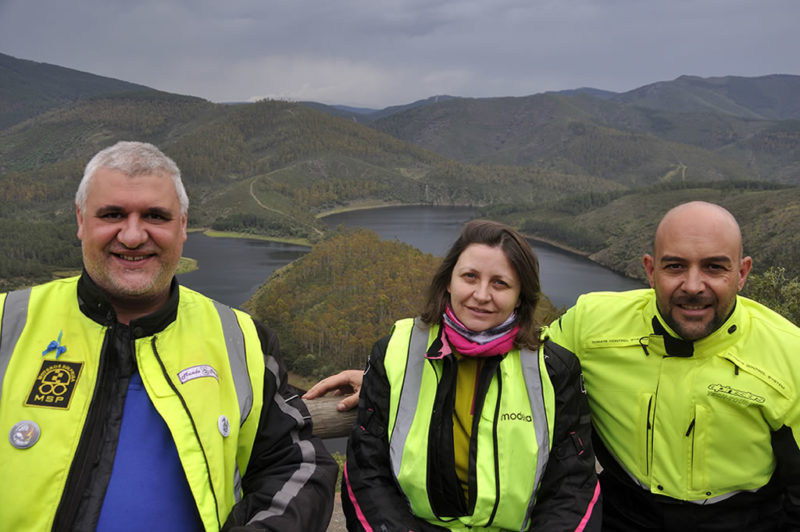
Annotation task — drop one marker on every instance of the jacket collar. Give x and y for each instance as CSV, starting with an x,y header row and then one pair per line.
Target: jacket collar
x,y
725,336
95,305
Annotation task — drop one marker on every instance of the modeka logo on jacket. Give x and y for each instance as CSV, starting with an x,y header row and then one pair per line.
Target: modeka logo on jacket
x,y
516,416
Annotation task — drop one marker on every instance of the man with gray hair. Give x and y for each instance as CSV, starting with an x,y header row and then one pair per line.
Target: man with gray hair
x,y
132,403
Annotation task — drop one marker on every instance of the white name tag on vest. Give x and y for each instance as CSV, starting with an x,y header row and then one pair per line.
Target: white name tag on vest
x,y
195,372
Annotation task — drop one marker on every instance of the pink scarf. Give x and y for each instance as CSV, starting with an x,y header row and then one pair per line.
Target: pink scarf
x,y
495,341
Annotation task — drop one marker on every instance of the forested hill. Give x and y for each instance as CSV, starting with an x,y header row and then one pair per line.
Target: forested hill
x,y
329,306
616,229
588,169
688,129
28,88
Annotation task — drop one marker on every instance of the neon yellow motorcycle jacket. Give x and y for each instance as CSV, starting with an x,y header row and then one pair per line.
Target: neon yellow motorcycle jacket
x,y
689,420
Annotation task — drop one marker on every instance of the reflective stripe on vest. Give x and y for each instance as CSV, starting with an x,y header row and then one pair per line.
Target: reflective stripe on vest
x,y
409,397
15,312
237,358
533,381
410,394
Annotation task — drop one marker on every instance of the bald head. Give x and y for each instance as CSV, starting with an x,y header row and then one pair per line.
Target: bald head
x,y
699,218
697,268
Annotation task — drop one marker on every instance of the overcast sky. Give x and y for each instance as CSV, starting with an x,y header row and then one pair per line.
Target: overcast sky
x,y
377,53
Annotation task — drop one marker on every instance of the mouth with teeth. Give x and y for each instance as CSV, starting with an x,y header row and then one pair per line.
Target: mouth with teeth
x,y
131,259
693,307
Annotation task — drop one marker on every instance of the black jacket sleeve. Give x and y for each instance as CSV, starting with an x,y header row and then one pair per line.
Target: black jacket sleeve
x,y
289,482
570,493
370,494
787,455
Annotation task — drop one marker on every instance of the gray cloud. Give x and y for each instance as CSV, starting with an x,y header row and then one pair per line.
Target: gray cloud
x,y
367,53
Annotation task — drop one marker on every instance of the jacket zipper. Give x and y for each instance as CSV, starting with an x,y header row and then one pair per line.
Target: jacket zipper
x,y
194,427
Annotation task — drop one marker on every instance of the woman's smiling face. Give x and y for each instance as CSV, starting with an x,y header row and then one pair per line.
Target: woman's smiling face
x,y
484,288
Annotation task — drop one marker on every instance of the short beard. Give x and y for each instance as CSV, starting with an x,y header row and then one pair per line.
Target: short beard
x,y
715,323
707,329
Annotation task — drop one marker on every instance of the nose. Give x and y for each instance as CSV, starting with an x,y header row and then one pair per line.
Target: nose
x,y
481,293
694,283
133,233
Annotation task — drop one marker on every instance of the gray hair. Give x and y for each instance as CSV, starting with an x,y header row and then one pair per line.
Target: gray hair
x,y
133,159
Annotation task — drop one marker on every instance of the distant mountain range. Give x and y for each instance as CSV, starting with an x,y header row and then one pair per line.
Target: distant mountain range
x,y
562,165
367,116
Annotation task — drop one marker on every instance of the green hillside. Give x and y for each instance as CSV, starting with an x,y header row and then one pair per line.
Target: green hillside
x,y
771,97
309,158
551,130
702,129
28,88
586,169
332,304
265,168
617,229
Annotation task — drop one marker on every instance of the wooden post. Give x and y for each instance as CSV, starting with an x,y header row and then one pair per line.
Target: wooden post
x,y
329,422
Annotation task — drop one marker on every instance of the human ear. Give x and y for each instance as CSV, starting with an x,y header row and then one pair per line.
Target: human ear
x,y
649,266
79,217
744,268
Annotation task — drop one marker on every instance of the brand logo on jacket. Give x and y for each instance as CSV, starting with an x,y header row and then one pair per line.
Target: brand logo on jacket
x,y
742,397
54,384
516,416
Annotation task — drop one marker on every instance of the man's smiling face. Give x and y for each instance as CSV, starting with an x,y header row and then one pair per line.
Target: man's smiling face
x,y
697,268
132,234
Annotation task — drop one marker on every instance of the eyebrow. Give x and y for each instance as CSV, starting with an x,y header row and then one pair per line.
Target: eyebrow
x,y
108,208
716,258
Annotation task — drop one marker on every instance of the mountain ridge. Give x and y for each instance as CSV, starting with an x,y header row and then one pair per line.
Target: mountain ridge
x,y
269,167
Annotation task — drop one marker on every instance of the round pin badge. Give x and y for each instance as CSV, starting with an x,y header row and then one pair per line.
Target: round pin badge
x,y
224,425
24,434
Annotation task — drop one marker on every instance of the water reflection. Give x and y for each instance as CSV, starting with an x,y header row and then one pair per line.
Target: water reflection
x,y
230,270
564,275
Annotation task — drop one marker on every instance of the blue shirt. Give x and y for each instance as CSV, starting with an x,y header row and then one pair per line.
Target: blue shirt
x,y
148,489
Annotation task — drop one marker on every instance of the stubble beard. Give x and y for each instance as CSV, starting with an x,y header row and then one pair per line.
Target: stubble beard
x,y
121,287
694,330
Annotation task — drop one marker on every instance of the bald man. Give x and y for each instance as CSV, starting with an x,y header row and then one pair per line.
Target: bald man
x,y
693,389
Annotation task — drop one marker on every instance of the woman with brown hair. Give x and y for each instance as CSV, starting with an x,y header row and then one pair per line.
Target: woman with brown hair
x,y
467,420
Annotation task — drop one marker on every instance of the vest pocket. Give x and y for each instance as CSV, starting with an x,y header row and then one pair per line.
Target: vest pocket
x,y
731,449
698,433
